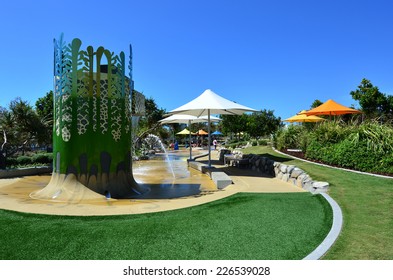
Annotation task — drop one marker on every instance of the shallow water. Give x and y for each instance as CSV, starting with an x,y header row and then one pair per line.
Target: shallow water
x,y
156,175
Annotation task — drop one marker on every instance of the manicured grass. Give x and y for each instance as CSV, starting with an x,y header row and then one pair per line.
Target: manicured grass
x,y
243,226
367,205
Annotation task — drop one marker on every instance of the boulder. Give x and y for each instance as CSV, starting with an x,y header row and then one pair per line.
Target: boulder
x,y
308,186
283,168
296,172
320,187
285,177
290,168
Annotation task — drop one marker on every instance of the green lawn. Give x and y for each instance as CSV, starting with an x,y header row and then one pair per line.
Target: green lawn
x,y
243,226
367,205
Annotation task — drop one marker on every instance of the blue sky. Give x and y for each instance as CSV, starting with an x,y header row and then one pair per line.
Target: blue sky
x,y
276,55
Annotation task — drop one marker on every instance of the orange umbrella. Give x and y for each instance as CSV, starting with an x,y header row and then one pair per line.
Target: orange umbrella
x,y
331,108
202,132
302,117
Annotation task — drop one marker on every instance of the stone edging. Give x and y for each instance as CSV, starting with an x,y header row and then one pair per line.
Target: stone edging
x,y
287,173
333,234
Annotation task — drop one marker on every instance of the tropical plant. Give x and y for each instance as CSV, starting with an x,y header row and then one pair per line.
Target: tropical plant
x,y
290,137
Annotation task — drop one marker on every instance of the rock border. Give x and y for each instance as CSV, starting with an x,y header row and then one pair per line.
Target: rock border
x,y
267,166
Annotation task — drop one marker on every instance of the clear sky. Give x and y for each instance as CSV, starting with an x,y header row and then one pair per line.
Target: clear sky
x,y
278,55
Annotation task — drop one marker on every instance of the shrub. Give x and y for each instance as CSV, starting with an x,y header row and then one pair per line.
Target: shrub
x,y
23,160
289,137
365,147
11,162
43,158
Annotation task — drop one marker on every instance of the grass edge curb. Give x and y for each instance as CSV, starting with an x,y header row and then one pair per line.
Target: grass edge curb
x,y
333,234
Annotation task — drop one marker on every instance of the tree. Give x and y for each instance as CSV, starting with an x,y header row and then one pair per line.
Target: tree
x,y
316,103
26,125
149,122
44,110
374,103
4,123
234,124
44,106
20,128
262,123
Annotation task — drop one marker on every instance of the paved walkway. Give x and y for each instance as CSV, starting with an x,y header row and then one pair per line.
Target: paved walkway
x,y
14,195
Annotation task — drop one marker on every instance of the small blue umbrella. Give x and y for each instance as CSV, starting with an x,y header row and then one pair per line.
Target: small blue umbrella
x,y
216,133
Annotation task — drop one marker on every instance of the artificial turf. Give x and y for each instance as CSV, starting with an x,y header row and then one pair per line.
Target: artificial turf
x,y
243,226
367,205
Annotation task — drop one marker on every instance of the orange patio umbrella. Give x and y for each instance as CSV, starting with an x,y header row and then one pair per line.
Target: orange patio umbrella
x,y
302,117
202,132
332,108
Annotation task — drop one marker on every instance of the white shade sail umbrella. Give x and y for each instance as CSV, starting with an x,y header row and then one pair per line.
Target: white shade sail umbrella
x,y
182,118
211,103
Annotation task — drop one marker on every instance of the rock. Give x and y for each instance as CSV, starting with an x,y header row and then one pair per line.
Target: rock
x,y
283,168
308,186
285,177
290,168
320,187
296,172
300,179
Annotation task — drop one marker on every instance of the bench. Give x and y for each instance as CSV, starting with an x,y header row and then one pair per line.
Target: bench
x,y
220,179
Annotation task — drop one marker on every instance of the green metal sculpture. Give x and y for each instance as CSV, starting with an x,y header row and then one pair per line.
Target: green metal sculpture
x,y
92,121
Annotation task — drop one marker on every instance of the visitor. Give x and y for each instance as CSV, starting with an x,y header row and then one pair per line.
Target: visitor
x,y
215,143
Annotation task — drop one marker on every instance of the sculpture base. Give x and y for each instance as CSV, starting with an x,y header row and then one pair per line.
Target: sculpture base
x,y
67,188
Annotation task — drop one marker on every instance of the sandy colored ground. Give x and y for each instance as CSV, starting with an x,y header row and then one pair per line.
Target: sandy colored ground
x,y
15,195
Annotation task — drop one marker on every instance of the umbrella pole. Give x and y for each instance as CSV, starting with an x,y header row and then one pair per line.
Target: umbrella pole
x,y
208,136
189,141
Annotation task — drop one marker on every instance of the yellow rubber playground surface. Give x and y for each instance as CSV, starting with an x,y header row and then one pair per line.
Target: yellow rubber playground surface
x,y
15,195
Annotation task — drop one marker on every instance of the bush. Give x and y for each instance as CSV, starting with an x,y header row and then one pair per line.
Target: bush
x,y
34,159
262,142
23,160
365,147
43,158
290,137
11,162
